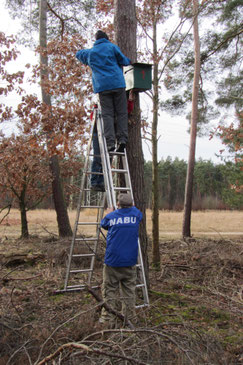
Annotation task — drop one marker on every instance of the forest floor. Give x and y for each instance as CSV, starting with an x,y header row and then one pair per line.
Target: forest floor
x,y
195,314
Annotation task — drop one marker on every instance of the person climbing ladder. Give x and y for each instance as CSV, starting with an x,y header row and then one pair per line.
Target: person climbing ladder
x,y
106,60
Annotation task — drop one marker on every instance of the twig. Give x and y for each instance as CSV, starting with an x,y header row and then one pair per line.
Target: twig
x,y
141,330
85,348
224,296
9,206
15,306
16,351
51,233
58,327
10,272
19,279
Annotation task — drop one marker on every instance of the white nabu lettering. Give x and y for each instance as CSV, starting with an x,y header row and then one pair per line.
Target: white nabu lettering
x,y
123,220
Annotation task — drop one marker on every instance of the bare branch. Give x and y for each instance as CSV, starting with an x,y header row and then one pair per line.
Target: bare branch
x,y
85,348
60,326
59,17
9,206
109,309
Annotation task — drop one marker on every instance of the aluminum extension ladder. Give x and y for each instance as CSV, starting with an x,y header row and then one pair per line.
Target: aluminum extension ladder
x,y
85,245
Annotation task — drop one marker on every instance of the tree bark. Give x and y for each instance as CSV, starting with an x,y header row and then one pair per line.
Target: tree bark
x,y
155,198
64,227
186,229
126,38
23,214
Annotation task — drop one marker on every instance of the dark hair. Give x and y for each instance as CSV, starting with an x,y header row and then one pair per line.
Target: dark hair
x,y
100,35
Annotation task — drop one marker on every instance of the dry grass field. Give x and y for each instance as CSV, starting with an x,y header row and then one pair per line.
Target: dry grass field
x,y
204,223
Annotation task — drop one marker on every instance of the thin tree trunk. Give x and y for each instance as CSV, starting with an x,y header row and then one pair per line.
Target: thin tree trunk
x,y
186,229
155,198
64,227
23,214
126,38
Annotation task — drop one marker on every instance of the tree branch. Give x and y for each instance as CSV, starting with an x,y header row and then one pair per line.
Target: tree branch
x,y
223,42
85,348
59,17
109,309
9,206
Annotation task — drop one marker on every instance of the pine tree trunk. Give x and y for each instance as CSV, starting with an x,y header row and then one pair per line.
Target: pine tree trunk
x,y
125,31
186,229
155,198
64,227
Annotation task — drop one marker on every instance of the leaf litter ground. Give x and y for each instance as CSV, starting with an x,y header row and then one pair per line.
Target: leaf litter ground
x,y
195,314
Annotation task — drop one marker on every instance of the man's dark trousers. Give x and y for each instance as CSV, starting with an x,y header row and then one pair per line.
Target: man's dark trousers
x,y
114,113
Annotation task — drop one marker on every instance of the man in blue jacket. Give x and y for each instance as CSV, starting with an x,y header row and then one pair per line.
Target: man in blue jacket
x,y
121,258
106,60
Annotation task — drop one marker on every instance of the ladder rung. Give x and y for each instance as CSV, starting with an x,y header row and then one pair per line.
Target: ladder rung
x,y
94,173
142,305
77,271
95,191
122,189
139,285
88,223
92,206
119,170
86,239
84,255
77,287
117,153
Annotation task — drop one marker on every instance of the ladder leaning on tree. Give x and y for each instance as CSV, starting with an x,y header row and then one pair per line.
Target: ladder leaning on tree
x,y
83,250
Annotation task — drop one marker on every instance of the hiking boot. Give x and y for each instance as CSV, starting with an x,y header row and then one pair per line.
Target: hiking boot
x,y
121,147
111,148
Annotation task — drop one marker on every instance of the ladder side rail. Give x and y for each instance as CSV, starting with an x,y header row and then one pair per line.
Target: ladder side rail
x,y
112,190
93,260
127,176
142,275
140,256
100,214
105,159
83,180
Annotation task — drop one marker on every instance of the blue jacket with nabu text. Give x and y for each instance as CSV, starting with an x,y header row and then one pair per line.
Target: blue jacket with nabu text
x,y
105,60
122,236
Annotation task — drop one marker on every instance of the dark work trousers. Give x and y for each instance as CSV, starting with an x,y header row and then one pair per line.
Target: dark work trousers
x,y
114,113
96,163
113,279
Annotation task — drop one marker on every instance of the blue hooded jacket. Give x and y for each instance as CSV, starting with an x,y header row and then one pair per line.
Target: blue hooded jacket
x,y
105,60
122,236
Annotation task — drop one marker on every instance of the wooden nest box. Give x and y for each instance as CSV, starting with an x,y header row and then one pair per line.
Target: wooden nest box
x,y
138,77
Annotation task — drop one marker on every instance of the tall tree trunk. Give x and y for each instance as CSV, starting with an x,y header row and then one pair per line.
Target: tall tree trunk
x,y
186,229
23,214
126,38
64,227
155,198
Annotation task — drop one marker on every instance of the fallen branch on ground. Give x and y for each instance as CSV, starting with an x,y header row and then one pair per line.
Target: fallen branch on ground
x,y
85,348
109,309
